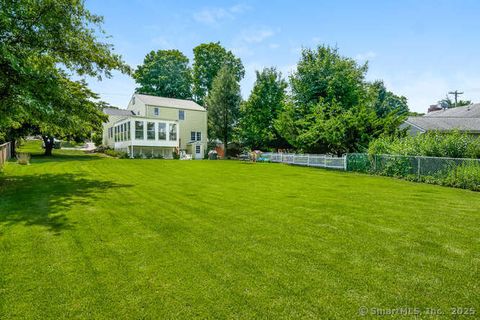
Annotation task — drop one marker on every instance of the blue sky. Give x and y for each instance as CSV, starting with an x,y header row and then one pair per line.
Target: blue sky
x,y
421,49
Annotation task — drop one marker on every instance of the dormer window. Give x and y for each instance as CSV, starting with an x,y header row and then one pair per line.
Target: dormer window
x,y
133,100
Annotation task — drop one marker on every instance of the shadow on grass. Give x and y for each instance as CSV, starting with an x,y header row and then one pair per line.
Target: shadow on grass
x,y
66,156
44,200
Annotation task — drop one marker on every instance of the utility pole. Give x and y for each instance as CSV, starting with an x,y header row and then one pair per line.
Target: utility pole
x,y
456,94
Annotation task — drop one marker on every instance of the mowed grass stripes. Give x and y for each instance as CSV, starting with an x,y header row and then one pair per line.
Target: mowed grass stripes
x,y
85,236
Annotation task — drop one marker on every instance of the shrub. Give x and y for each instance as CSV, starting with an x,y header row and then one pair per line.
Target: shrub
x,y
115,154
431,144
465,176
23,158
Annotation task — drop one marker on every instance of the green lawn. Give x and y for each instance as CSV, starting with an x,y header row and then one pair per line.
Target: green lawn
x,y
84,236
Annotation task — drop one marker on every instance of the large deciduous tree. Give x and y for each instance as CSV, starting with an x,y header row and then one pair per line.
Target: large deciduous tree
x,y
333,109
223,103
42,44
259,112
165,73
208,59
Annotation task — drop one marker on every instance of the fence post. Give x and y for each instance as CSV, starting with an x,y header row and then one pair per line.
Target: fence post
x,y
324,160
308,160
418,168
345,162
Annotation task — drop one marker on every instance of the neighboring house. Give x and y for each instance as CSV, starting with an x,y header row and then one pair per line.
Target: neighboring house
x,y
464,119
157,126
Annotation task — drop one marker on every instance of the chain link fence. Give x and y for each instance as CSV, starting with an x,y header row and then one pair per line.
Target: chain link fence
x,y
455,172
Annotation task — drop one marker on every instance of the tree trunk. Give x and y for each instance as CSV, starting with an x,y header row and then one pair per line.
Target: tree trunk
x,y
49,142
225,147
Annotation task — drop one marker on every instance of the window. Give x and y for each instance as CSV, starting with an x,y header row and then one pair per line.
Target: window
x,y
116,134
173,131
156,111
133,100
197,149
192,136
139,130
151,130
199,136
162,131
181,115
128,131
109,133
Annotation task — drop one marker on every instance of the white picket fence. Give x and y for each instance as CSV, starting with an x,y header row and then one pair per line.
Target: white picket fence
x,y
309,160
5,153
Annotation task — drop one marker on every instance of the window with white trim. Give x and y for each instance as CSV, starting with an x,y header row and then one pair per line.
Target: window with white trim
x,y
139,130
197,149
199,136
151,130
173,131
192,136
162,131
181,115
156,111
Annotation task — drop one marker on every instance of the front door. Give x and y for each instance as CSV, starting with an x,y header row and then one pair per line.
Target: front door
x,y
198,151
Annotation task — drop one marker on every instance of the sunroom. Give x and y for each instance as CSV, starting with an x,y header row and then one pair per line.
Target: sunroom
x,y
145,137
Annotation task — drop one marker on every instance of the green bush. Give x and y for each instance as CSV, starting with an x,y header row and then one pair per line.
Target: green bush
x,y
431,144
465,176
115,154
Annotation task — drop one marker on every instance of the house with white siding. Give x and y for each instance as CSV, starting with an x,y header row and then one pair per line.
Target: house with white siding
x,y
154,126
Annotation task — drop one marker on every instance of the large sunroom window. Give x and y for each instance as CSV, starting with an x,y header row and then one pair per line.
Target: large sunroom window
x,y
151,130
139,130
162,131
173,131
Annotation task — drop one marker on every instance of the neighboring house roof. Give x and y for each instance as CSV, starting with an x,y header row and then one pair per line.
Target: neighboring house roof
x,y
445,123
169,102
465,118
118,112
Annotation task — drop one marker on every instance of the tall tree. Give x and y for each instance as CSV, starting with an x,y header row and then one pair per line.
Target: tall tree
x,y
223,103
386,102
39,39
165,73
259,112
208,59
332,110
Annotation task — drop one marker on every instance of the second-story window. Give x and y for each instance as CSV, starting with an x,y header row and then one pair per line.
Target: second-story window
x,y
156,111
192,136
199,136
181,115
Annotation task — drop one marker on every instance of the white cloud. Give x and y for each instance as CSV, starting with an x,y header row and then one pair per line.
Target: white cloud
x,y
369,55
213,16
162,43
256,35
274,46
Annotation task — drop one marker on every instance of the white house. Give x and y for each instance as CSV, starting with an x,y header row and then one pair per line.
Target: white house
x,y
157,126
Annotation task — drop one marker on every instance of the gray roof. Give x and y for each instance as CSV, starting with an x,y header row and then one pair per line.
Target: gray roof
x,y
169,102
461,118
118,112
471,111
